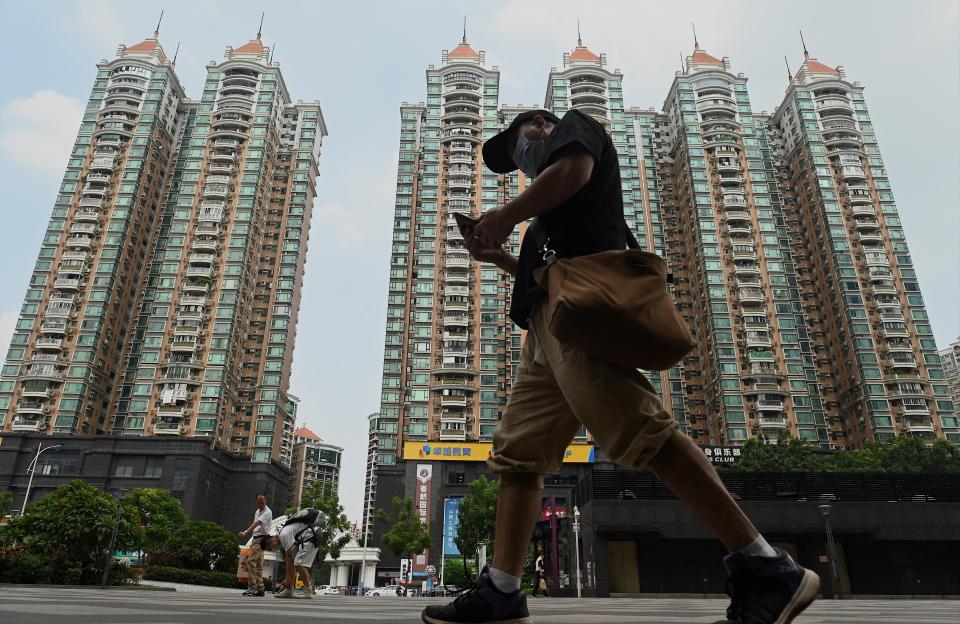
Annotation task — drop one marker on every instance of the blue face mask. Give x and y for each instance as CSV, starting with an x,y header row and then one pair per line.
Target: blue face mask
x,y
529,155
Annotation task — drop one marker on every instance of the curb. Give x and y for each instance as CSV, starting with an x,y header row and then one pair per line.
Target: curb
x,y
93,587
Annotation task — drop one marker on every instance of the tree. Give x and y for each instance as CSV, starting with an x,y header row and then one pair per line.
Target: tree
x,y
204,545
6,501
407,535
477,518
71,529
158,514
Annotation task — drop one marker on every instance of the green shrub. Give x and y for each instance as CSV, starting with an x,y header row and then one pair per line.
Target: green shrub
x,y
27,568
192,577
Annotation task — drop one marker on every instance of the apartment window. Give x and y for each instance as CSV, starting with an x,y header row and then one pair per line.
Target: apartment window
x,y
153,468
123,468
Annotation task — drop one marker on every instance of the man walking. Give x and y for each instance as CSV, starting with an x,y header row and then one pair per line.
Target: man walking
x,y
262,519
539,577
576,204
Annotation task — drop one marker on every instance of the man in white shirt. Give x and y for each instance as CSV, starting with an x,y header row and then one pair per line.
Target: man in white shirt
x,y
262,519
297,557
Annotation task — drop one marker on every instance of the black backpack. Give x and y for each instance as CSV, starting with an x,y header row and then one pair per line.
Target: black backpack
x,y
314,525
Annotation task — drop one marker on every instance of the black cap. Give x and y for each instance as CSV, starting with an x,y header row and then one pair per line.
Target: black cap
x,y
496,153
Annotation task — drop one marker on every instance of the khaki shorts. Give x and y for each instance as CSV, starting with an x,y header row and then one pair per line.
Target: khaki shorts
x,y
306,555
560,387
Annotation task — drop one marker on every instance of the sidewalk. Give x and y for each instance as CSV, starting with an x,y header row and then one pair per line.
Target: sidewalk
x,y
193,589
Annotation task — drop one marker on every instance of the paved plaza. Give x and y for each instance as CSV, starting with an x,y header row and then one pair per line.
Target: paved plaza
x,y
30,605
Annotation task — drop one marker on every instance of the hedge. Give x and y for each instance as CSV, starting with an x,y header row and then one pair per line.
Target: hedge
x,y
192,577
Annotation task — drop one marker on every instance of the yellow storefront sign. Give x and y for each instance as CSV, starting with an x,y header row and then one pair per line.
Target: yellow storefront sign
x,y
480,451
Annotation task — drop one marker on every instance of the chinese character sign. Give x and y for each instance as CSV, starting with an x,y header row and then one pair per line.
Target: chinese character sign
x,y
421,503
451,513
722,454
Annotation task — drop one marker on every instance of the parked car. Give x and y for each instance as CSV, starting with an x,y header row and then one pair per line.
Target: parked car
x,y
327,590
386,590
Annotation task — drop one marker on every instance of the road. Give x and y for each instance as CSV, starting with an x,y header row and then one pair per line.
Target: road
x,y
30,605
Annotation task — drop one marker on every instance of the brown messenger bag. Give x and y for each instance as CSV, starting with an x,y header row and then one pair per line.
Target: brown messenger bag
x,y
615,306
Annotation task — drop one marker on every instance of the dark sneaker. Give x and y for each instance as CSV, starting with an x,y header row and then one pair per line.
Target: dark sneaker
x,y
259,593
767,590
250,591
482,603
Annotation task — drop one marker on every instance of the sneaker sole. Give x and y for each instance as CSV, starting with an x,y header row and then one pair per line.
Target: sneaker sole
x,y
806,593
524,620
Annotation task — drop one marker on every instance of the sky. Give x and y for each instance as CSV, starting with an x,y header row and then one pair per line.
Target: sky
x,y
361,60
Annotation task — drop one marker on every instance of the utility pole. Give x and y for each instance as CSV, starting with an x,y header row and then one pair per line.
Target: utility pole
x,y
831,551
32,469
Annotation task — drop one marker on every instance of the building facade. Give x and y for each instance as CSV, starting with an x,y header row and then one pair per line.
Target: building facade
x,y
951,369
165,297
314,461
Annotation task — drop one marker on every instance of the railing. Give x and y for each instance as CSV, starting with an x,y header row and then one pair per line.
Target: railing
x,y
797,487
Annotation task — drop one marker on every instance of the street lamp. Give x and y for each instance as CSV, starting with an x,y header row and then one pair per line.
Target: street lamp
x,y
576,546
831,550
113,539
32,469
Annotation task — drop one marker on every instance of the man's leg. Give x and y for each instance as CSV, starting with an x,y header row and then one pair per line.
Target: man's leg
x,y
683,467
518,505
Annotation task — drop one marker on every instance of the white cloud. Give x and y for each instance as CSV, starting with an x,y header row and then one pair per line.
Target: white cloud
x,y
97,19
38,131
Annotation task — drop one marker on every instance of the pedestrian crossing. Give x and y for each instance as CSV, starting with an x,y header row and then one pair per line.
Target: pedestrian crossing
x,y
27,605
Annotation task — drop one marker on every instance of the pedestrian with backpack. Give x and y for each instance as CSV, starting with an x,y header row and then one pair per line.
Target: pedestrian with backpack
x,y
298,538
595,312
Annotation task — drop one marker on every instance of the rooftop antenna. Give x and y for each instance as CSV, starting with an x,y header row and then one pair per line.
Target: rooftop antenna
x,y
156,31
696,44
682,66
260,27
273,49
579,39
805,53
789,73
464,29
175,53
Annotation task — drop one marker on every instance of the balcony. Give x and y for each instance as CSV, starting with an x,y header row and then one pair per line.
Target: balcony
x,y
894,330
457,291
772,421
866,224
201,259
744,252
67,283
863,210
456,278
758,339
760,355
43,371
453,435
851,172
456,320
876,259
924,428
28,424
763,369
453,401
902,361
36,391
728,165
914,407
750,295
891,314
53,327
33,408
734,200
188,300
461,261
769,404
57,308
190,312
869,236
746,268
454,234
84,242
859,198
216,190
739,229
47,343
718,104
883,288
210,214
184,346
168,428
739,216
89,216
106,142
200,271
832,105
204,244
196,287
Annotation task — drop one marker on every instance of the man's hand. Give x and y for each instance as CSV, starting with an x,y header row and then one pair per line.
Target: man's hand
x,y
242,533
493,254
494,227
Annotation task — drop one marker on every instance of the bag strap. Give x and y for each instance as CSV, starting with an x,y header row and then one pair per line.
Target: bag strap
x,y
631,239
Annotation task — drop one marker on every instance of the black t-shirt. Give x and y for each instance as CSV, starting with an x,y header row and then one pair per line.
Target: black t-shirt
x,y
589,222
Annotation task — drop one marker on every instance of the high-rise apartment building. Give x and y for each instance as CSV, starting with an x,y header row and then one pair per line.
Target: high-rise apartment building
x,y
314,461
370,481
446,365
165,297
951,369
780,230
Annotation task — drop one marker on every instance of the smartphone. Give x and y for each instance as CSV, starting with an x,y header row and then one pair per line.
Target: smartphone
x,y
465,223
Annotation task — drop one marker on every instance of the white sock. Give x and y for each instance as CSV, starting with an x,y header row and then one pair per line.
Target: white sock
x,y
759,547
507,583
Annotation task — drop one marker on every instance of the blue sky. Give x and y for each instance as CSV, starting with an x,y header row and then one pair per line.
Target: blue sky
x,y
362,59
